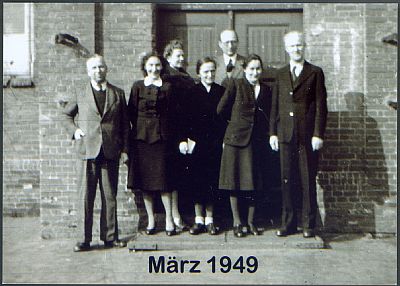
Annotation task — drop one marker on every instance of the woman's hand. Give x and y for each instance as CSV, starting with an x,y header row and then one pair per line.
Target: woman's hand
x,y
183,147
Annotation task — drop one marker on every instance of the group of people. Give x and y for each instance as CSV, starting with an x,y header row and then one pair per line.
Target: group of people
x,y
214,133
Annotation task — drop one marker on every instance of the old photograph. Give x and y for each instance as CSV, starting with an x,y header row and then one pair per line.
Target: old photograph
x,y
200,143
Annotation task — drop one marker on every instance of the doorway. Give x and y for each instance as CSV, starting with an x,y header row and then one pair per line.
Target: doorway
x,y
260,31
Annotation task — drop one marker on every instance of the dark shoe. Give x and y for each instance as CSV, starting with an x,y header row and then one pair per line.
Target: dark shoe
x,y
170,232
115,243
253,230
82,246
211,229
283,232
181,227
197,228
307,233
238,230
150,231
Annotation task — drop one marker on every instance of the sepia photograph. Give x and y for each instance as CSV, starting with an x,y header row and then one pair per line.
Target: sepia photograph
x,y
200,143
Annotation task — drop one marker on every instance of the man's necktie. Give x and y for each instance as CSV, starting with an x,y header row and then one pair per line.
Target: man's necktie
x,y
230,66
294,76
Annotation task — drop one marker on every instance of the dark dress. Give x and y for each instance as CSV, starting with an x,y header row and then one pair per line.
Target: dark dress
x,y
207,129
246,154
180,82
149,116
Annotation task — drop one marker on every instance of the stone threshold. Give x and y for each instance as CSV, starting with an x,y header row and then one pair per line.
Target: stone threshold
x,y
223,240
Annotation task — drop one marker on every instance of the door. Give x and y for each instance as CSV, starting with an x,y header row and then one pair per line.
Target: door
x,y
199,32
260,32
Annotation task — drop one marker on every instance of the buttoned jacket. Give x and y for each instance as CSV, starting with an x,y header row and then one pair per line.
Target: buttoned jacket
x,y
299,106
238,106
148,110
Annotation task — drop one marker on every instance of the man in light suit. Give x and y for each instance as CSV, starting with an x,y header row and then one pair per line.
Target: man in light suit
x,y
230,64
97,120
297,126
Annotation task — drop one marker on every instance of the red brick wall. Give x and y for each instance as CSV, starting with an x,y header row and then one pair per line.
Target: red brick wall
x,y
358,164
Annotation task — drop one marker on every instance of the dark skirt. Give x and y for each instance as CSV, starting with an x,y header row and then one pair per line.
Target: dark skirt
x,y
204,173
147,167
243,168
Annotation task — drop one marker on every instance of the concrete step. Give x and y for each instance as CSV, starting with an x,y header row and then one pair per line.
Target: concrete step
x,y
224,240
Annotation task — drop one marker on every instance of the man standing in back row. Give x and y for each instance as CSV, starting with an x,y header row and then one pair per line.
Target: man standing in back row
x,y
297,126
230,64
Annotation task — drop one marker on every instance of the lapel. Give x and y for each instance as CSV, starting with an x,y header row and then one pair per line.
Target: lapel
x,y
305,73
249,91
287,77
90,99
220,75
236,73
262,95
110,98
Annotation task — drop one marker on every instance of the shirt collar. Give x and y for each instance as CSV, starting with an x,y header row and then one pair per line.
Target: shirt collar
x,y
207,87
148,81
95,85
227,58
297,65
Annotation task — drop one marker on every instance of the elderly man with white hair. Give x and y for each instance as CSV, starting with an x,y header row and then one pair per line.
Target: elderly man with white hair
x,y
297,126
96,117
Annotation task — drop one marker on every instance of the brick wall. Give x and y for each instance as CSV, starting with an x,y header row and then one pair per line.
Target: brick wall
x,y
381,78
358,178
357,182
20,152
58,70
127,31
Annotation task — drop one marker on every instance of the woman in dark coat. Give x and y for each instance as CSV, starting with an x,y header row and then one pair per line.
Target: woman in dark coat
x,y
148,109
175,74
246,105
205,129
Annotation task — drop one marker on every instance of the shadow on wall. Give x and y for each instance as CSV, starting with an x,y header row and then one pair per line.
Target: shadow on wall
x,y
353,174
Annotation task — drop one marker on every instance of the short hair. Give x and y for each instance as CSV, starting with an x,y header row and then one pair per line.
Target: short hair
x,y
95,56
145,58
294,32
172,45
228,30
204,60
252,57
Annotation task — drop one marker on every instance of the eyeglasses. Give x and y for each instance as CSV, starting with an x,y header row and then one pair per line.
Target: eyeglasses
x,y
229,42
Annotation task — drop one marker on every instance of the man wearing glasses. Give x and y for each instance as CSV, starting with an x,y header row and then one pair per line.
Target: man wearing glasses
x,y
229,65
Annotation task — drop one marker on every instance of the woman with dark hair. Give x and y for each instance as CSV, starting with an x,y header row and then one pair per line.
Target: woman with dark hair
x,y
246,105
148,109
175,74
202,143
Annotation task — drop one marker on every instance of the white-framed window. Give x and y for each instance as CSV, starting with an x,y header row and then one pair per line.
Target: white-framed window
x,y
18,40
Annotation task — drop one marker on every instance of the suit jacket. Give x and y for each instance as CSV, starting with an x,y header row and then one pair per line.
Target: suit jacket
x,y
237,72
109,130
300,106
239,106
148,111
